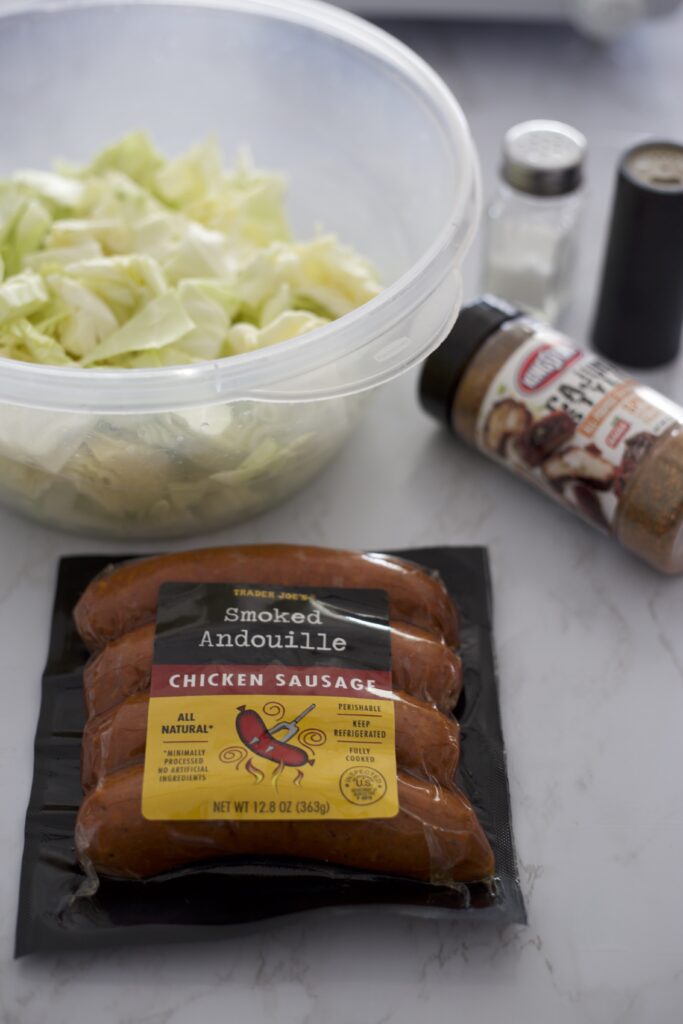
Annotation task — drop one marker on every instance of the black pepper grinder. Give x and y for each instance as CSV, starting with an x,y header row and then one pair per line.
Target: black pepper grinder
x,y
640,310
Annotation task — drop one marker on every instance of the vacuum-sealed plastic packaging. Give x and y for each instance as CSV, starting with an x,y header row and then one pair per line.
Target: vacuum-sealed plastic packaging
x,y
261,721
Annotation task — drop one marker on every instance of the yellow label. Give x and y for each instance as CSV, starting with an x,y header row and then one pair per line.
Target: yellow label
x,y
256,757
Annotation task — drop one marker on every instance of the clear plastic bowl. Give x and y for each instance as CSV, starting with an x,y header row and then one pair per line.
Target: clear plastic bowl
x,y
374,147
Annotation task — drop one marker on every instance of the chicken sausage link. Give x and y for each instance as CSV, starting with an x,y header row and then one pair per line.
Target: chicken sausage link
x,y
427,742
434,837
422,666
125,596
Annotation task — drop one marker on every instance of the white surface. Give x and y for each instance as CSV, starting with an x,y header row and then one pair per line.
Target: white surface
x,y
591,666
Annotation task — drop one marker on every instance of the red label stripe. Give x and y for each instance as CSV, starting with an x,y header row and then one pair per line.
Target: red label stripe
x,y
323,681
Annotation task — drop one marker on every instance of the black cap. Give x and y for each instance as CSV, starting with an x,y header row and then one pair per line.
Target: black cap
x,y
640,309
444,368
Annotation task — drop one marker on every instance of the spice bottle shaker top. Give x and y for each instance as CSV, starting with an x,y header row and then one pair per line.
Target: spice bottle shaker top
x,y
543,158
640,308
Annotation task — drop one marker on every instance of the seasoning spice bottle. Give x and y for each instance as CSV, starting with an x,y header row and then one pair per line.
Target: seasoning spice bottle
x,y
640,309
532,222
605,447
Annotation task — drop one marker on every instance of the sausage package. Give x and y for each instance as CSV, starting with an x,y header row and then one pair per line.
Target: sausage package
x,y
232,734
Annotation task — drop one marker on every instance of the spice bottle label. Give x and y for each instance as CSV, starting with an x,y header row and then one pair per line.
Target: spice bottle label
x,y
571,424
270,704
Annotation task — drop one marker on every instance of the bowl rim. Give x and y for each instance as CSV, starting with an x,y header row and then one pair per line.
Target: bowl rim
x,y
264,374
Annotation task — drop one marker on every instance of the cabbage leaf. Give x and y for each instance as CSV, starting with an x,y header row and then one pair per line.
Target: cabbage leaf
x,y
136,261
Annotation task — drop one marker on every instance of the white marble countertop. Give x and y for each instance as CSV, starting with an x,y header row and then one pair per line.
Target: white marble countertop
x,y
590,652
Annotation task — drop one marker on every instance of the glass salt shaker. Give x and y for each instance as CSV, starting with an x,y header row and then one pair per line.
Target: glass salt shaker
x,y
532,223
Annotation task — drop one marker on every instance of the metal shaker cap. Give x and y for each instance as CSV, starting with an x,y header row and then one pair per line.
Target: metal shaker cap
x,y
543,158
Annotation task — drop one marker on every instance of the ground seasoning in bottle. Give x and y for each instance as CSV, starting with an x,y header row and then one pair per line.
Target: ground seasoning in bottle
x,y
568,422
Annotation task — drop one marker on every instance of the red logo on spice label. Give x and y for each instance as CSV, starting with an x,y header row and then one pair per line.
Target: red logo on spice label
x,y
544,365
618,431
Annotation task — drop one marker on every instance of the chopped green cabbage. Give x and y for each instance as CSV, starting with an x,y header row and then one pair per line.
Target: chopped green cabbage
x,y
165,474
137,261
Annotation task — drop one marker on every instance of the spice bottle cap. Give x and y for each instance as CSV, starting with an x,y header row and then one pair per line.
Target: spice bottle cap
x,y
543,158
640,309
445,367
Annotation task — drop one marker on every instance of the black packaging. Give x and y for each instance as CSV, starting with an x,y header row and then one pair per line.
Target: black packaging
x,y
57,908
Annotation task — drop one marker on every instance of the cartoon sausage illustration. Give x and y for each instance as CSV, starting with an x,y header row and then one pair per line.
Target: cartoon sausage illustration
x,y
256,735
